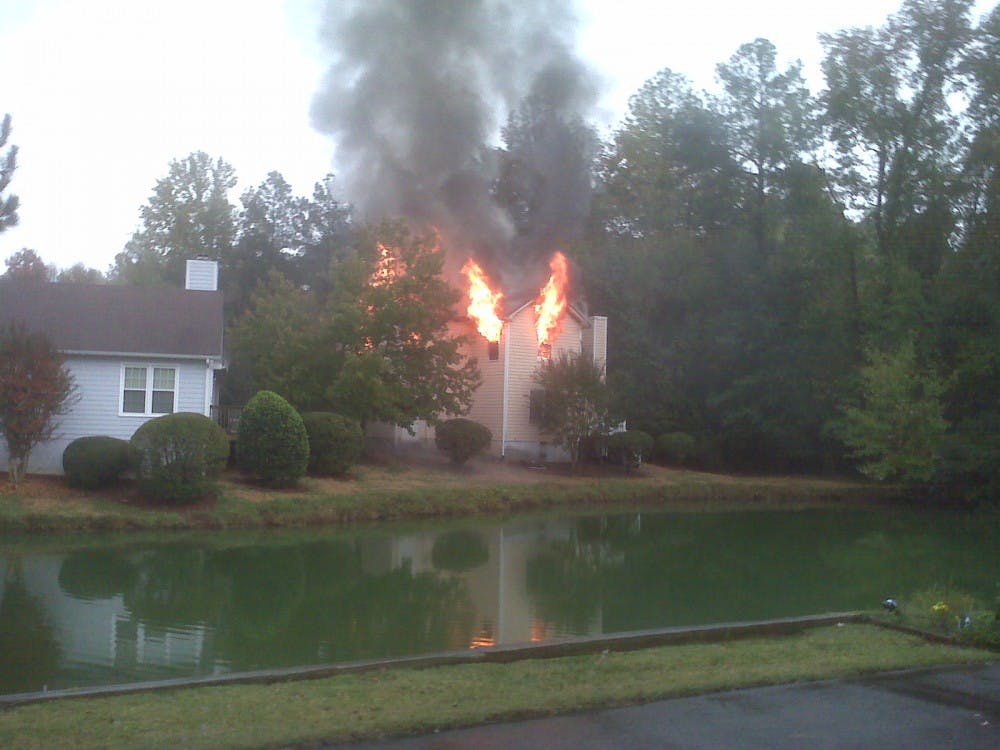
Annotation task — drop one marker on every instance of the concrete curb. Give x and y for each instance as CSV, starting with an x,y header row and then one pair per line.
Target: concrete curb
x,y
577,645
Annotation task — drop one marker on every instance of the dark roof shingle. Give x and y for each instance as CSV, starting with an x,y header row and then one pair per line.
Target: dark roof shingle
x,y
109,318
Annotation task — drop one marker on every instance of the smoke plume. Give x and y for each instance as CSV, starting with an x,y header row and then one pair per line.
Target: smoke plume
x,y
414,99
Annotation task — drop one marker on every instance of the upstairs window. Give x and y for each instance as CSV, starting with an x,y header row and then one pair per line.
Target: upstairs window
x,y
148,390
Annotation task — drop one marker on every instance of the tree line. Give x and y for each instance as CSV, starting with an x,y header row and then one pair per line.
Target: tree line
x,y
796,280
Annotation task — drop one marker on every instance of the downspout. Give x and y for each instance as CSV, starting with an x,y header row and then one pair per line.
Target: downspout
x,y
506,391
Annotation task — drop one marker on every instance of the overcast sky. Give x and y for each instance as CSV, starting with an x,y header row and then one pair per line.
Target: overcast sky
x,y
104,93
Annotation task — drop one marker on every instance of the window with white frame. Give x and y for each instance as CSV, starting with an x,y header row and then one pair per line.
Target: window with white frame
x,y
148,389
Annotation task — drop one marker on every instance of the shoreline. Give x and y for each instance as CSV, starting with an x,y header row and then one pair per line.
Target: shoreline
x,y
45,505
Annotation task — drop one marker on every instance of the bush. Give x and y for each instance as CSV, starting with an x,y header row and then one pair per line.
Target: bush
x,y
629,448
335,442
272,444
95,461
676,448
177,456
462,439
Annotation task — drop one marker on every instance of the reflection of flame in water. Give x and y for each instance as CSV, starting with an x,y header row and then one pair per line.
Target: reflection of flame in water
x,y
552,304
539,630
484,303
485,637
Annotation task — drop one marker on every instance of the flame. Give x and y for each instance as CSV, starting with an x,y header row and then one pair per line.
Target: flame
x,y
552,302
387,267
484,303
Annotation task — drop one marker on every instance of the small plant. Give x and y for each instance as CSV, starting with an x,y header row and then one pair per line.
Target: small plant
x,y
96,461
461,439
952,613
676,448
335,442
178,456
630,448
272,444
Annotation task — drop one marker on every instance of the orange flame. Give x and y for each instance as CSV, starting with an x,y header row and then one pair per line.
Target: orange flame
x,y
552,302
387,267
484,303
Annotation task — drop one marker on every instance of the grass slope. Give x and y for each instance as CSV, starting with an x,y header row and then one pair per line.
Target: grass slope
x,y
407,701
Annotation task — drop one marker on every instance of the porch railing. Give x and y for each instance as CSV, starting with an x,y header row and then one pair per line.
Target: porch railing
x,y
228,418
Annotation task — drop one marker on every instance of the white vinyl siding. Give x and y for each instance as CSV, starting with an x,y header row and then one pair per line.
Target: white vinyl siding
x,y
148,390
97,404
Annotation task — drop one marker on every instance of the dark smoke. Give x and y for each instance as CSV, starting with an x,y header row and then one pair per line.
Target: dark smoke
x,y
415,98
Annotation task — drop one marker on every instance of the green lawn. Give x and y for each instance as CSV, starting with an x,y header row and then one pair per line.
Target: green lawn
x,y
410,491
406,701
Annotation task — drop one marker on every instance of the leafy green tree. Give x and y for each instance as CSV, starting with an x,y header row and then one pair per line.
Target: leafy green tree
x,y
35,388
576,400
188,215
279,344
78,273
898,428
390,345
27,265
8,163
770,123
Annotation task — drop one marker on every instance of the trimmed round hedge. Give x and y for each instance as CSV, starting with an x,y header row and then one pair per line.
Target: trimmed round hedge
x,y
272,444
178,456
335,442
462,439
676,448
629,448
95,461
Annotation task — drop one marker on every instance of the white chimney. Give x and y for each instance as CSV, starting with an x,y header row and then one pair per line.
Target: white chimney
x,y
595,340
202,275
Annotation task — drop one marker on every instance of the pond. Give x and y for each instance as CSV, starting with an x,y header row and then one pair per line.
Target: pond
x,y
105,610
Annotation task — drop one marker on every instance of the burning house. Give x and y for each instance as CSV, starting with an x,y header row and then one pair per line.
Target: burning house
x,y
418,97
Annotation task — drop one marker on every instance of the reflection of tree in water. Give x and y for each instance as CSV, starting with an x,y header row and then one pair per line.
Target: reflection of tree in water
x,y
95,574
566,581
173,585
29,650
459,551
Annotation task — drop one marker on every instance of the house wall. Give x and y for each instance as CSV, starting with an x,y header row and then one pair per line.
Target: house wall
x,y
97,406
524,438
487,406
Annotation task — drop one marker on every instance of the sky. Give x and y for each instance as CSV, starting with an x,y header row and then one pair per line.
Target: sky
x,y
103,94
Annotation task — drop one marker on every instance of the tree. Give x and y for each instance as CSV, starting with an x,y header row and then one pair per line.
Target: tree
x,y
8,163
35,387
898,428
187,216
389,314
769,118
575,400
26,265
78,273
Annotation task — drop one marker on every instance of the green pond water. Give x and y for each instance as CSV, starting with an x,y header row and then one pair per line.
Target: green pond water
x,y
105,610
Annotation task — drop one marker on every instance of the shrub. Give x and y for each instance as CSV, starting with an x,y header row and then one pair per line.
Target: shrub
x,y
272,444
629,448
677,448
95,461
462,439
177,456
335,442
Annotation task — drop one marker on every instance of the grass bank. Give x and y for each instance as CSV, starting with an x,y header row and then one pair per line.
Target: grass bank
x,y
401,491
408,701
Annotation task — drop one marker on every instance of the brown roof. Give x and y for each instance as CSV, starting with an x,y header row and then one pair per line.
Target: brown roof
x,y
109,318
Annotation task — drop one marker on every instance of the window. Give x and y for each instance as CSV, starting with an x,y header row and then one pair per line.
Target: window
x,y
536,405
148,390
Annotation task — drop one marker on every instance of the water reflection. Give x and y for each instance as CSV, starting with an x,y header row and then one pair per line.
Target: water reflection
x,y
107,610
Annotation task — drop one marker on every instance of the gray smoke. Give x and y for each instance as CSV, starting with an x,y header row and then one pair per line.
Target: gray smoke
x,y
414,99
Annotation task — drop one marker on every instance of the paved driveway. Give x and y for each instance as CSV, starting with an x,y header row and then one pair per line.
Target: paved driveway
x,y
938,710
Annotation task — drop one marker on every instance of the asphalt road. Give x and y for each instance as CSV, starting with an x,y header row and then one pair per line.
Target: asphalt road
x,y
938,710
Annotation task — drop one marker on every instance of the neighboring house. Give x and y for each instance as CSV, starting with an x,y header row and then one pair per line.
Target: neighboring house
x,y
508,399
135,353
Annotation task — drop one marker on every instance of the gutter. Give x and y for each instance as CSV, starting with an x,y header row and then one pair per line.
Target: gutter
x,y
506,391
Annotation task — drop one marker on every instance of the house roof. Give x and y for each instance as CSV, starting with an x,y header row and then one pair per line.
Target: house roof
x,y
513,309
109,318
